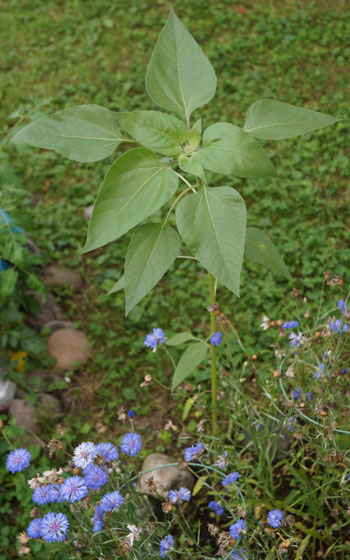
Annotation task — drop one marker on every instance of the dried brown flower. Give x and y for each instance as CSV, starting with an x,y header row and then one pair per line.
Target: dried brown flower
x,y
60,429
213,530
53,445
147,380
167,507
35,512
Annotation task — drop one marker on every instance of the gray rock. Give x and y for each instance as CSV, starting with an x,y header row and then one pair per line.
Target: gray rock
x,y
7,392
68,346
56,325
55,276
88,212
49,405
24,413
165,478
49,311
275,439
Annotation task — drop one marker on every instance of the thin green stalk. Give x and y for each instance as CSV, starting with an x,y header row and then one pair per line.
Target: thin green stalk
x,y
214,385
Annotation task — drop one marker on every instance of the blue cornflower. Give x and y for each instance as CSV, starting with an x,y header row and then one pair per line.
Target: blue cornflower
x,y
108,451
178,496
34,528
192,451
230,478
239,554
290,423
237,528
152,340
54,527
111,501
274,518
344,370
320,372
18,460
45,495
165,545
296,394
94,477
217,508
131,413
216,339
84,454
74,488
337,326
56,493
98,519
341,306
290,324
131,444
308,396
296,339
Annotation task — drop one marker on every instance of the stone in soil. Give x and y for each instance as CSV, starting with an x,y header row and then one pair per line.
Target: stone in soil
x,y
166,478
88,212
49,311
54,276
68,346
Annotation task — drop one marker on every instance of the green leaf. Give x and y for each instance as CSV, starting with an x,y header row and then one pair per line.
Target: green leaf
x,y
155,130
212,223
229,150
179,338
188,362
191,164
8,279
136,185
179,76
260,249
152,250
199,485
118,286
195,134
187,408
274,120
81,133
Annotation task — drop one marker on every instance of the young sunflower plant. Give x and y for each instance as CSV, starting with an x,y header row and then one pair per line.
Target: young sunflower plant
x,y
210,221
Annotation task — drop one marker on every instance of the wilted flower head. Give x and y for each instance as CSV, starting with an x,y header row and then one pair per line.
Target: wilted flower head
x,y
18,460
84,454
222,461
266,323
296,340
290,372
134,535
274,518
152,340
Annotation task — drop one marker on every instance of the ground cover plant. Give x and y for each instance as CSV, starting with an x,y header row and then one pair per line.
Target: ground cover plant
x,y
265,292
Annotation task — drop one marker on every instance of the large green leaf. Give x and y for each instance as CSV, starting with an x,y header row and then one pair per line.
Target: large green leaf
x,y
260,249
155,130
179,338
274,120
229,150
188,362
179,76
136,185
152,250
212,223
82,133
118,286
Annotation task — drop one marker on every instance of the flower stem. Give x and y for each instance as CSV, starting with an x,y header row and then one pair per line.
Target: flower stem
x,y
214,387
